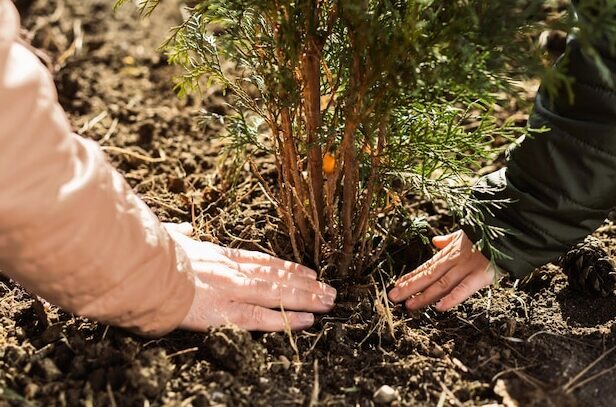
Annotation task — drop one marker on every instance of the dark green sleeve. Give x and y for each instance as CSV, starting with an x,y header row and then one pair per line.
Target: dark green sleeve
x,y
562,182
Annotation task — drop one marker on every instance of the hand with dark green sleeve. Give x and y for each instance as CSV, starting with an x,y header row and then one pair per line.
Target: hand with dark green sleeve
x,y
561,183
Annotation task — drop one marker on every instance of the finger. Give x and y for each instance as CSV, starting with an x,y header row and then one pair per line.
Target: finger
x,y
422,277
296,280
209,309
255,318
470,285
438,289
430,271
248,256
276,295
450,251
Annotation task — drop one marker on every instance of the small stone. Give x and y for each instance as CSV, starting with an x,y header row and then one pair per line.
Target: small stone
x,y
385,395
437,351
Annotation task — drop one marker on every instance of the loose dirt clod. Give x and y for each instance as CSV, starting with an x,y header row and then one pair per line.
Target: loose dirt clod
x,y
233,349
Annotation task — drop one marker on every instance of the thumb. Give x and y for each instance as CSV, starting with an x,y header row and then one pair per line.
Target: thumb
x,y
440,242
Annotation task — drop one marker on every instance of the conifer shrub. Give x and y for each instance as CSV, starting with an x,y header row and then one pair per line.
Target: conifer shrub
x,y
365,105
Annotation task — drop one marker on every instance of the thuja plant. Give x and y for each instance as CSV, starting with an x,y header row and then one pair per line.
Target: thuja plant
x,y
364,105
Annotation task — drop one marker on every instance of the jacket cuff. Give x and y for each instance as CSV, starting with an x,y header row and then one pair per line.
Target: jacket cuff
x,y
516,268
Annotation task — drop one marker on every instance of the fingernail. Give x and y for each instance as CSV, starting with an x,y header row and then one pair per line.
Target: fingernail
x,y
309,272
439,305
393,294
331,291
328,300
305,318
409,303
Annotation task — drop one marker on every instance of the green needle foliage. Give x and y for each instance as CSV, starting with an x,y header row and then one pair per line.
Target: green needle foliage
x,y
366,103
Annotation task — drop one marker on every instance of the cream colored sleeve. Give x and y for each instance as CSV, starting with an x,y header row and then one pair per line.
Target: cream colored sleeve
x,y
71,229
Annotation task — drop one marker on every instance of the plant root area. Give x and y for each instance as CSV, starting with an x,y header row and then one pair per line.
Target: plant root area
x,y
539,343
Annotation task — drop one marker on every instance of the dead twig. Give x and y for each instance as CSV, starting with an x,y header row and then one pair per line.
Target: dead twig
x,y
165,205
182,352
92,122
382,306
124,151
75,47
316,388
110,131
289,332
326,328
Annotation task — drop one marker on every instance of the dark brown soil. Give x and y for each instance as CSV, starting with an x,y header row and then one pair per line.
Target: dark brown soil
x,y
511,345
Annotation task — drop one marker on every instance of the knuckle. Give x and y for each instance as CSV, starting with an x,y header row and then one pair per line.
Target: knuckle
x,y
427,273
456,253
291,266
443,282
257,257
255,314
312,286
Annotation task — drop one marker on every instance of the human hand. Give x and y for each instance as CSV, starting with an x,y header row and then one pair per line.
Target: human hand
x,y
242,287
450,277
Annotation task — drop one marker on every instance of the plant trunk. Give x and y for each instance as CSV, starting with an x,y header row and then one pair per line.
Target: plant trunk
x,y
312,111
294,177
349,195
